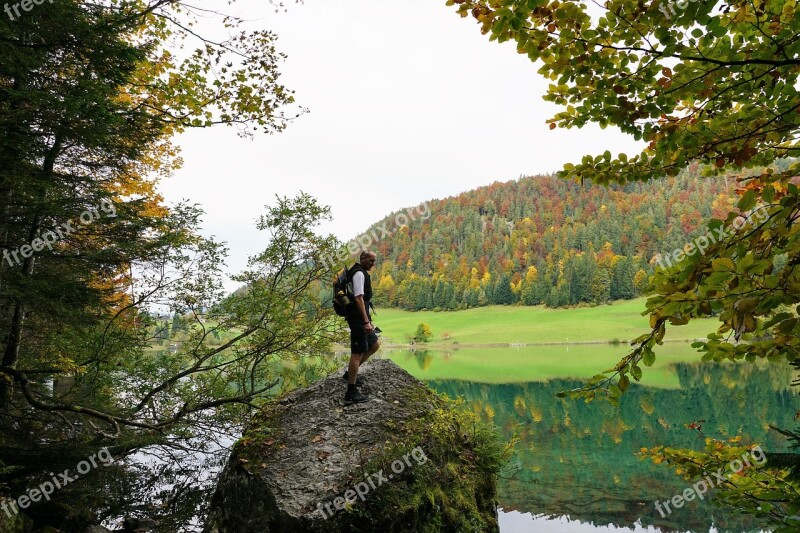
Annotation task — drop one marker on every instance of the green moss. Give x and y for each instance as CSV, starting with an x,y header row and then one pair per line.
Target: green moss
x,y
258,442
453,490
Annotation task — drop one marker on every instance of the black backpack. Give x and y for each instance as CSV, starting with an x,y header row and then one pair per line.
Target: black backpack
x,y
342,294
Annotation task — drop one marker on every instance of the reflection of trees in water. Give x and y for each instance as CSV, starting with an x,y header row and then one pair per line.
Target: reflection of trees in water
x,y
173,484
579,459
424,358
169,483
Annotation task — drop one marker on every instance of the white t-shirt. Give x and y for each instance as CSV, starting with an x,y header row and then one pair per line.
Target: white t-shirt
x,y
358,284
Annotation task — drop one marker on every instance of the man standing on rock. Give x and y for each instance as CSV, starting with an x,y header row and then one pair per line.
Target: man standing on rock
x,y
363,340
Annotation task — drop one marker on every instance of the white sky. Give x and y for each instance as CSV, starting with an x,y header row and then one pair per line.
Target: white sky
x,y
406,98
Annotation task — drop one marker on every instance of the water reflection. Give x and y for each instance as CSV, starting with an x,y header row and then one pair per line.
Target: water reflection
x,y
576,463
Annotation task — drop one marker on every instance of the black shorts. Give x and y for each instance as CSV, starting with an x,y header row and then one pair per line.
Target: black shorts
x,y
360,340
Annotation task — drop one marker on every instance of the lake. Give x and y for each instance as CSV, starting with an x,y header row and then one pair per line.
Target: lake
x,y
576,467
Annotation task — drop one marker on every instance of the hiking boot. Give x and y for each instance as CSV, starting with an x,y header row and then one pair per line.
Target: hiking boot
x,y
354,396
359,379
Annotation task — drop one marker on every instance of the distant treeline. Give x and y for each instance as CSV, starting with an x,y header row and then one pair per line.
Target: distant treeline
x,y
544,240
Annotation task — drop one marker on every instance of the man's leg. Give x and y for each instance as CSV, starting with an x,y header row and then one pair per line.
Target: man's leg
x,y
358,348
373,343
353,395
372,349
352,369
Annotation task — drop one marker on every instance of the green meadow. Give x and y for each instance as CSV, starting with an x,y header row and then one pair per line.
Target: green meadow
x,y
621,320
512,344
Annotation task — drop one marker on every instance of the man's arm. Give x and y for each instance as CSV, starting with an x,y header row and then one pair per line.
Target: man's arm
x,y
358,295
362,311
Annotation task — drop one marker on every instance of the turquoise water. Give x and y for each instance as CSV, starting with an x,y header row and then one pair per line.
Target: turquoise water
x,y
576,467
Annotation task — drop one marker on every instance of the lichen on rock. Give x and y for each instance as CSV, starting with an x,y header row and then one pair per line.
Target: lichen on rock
x,y
407,460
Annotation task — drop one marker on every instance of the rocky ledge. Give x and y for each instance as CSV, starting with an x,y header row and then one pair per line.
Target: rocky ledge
x,y
407,460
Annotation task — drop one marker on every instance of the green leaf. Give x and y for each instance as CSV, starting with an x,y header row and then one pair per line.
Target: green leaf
x,y
787,326
723,264
748,201
597,379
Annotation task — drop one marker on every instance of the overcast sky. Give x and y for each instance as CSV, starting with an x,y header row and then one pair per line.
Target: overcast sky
x,y
408,102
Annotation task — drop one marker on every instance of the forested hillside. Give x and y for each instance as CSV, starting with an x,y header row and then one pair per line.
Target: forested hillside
x,y
543,240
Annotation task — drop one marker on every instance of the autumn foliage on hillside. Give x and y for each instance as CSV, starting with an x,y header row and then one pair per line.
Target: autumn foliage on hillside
x,y
543,240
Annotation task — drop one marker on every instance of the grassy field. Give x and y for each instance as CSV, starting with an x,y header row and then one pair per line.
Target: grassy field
x,y
550,340
512,324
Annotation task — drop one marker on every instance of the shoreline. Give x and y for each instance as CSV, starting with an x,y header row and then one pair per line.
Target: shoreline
x,y
456,346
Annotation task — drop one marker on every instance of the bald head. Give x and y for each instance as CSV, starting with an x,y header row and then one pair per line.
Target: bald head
x,y
367,259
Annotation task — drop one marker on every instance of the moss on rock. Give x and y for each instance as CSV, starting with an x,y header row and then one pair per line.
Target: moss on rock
x,y
451,489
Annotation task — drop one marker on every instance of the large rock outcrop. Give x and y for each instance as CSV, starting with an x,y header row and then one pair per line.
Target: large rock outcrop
x,y
405,461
